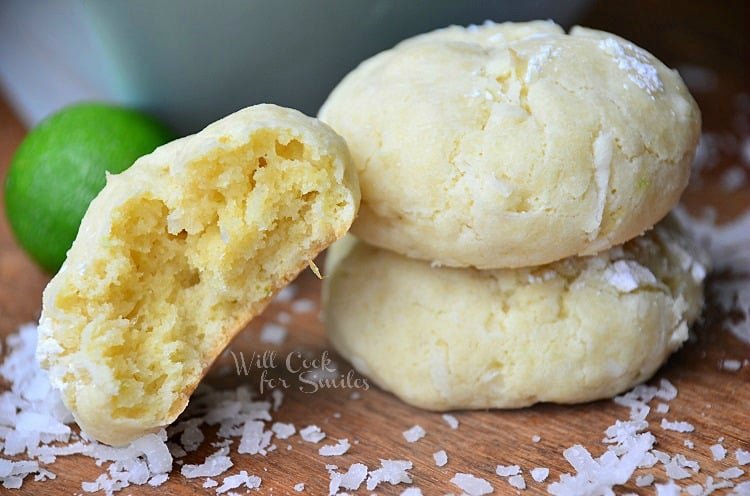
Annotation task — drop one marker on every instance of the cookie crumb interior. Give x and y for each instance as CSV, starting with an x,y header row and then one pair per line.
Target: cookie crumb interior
x,y
176,275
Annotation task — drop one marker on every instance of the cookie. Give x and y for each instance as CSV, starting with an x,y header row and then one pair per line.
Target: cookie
x,y
512,145
576,330
178,253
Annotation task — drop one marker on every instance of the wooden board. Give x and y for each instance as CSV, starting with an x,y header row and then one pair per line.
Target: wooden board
x,y
704,35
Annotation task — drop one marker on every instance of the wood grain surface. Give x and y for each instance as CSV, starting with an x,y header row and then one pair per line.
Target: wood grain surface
x,y
708,38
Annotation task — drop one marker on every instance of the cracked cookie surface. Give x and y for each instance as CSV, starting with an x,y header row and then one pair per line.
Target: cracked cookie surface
x,y
509,145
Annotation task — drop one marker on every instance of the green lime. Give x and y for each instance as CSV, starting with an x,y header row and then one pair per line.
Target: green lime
x,y
60,167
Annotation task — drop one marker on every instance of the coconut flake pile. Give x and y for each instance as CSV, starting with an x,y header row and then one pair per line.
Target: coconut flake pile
x,y
729,245
35,429
631,446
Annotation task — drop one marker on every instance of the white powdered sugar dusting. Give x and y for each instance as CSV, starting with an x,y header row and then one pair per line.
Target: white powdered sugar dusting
x,y
537,61
635,62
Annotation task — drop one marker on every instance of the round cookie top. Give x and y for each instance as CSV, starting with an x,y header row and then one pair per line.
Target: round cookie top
x,y
509,145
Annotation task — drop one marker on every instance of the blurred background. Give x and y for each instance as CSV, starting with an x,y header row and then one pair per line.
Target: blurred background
x,y
191,62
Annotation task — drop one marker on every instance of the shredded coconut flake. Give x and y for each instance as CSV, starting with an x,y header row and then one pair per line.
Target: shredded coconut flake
x,y
235,481
517,481
667,391
472,485
216,464
303,306
718,452
507,470
539,474
675,471
450,420
676,426
335,449
390,471
284,318
411,491
414,434
728,244
598,476
668,489
287,294
282,430
312,434
273,334
255,439
731,473
644,480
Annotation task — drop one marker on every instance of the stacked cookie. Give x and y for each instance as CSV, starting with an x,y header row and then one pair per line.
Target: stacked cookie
x,y
511,175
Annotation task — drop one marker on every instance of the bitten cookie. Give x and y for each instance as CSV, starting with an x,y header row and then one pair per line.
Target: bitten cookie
x,y
511,145
178,253
576,330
